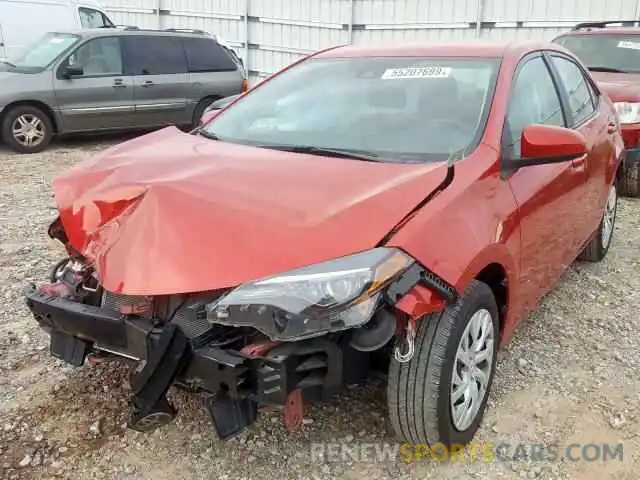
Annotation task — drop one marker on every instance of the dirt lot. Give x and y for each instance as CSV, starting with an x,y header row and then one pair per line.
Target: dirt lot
x,y
570,376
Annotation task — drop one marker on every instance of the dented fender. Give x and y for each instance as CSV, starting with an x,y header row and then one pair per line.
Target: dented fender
x,y
470,225
420,301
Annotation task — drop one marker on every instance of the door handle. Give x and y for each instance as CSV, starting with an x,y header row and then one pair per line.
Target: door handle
x,y
118,83
612,127
148,84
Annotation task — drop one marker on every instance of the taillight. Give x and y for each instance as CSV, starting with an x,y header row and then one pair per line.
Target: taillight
x,y
245,85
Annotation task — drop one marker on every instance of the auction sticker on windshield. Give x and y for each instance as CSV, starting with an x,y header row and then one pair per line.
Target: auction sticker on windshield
x,y
430,71
629,45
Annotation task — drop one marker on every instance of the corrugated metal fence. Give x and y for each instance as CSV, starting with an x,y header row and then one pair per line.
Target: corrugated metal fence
x,y
269,34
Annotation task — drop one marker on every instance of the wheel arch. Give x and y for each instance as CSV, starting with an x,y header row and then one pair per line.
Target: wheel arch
x,y
496,267
207,98
32,103
495,277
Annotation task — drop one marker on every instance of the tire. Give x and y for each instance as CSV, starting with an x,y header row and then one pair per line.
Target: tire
x,y
40,124
419,391
199,110
598,246
630,181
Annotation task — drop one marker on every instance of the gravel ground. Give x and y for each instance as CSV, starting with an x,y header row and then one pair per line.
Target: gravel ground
x,y
569,376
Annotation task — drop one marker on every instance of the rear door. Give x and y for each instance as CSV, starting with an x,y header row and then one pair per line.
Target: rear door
x,y
587,116
100,98
159,69
548,196
213,71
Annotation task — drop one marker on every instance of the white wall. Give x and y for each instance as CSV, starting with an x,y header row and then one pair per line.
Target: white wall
x,y
269,34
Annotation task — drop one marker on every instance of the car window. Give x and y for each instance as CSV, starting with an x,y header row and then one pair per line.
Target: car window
x,y
98,57
401,109
90,18
205,55
154,55
577,86
616,52
534,100
45,51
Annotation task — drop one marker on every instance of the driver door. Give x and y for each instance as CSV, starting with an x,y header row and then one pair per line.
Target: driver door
x,y
549,195
101,97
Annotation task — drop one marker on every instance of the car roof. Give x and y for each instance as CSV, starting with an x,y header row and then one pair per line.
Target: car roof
x,y
132,31
604,31
430,49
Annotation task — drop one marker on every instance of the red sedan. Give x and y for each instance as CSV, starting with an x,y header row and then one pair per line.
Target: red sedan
x,y
611,52
403,206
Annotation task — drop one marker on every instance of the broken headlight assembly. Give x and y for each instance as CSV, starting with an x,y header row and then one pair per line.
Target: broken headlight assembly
x,y
326,297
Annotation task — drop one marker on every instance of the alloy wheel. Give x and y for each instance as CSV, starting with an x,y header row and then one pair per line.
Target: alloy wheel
x,y
472,369
28,130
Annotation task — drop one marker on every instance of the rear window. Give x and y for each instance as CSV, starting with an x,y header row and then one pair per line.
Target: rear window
x,y
613,52
154,55
205,55
91,18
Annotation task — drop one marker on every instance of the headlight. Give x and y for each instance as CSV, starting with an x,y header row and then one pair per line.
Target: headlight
x,y
314,300
628,112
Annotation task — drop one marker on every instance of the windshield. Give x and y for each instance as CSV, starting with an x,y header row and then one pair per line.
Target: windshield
x,y
403,109
606,52
45,51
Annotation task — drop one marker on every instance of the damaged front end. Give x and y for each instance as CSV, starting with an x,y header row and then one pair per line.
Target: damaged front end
x,y
279,341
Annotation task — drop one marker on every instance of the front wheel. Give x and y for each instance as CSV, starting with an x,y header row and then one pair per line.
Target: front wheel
x,y
440,395
27,129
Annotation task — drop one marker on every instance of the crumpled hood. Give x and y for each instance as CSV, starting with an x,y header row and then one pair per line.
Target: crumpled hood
x,y
621,87
172,213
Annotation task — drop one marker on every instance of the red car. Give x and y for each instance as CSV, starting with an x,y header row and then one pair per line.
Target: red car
x,y
611,51
399,207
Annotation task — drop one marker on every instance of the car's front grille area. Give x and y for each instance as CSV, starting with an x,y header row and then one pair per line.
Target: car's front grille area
x,y
192,325
114,303
186,313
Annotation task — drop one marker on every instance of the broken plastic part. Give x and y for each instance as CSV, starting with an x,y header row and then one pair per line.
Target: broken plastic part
x,y
420,301
294,410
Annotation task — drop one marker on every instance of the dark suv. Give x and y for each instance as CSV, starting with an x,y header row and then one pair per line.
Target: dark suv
x,y
113,79
611,51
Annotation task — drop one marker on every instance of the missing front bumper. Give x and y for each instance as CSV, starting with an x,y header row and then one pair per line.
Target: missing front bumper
x,y
233,383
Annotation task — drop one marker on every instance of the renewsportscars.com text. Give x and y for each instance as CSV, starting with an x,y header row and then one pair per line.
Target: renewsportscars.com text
x,y
474,452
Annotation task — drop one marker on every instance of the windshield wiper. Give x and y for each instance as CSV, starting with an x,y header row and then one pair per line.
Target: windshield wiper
x,y
606,70
7,62
207,134
330,152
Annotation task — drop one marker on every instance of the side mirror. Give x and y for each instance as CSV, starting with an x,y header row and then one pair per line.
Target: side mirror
x,y
544,144
73,71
